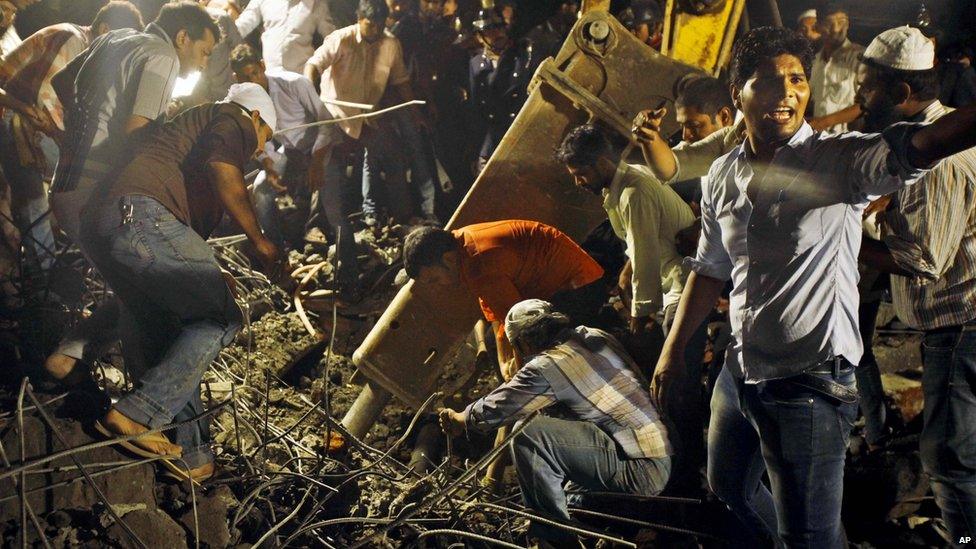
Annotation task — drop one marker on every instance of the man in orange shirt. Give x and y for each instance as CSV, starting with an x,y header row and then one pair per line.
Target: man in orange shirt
x,y
503,263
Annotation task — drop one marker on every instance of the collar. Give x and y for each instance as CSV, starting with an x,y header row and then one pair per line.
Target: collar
x,y
611,195
931,113
799,137
153,28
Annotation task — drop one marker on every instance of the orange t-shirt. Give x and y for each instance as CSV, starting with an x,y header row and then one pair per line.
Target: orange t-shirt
x,y
504,262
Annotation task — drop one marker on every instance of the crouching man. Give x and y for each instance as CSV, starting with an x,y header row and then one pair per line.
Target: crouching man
x,y
616,440
145,230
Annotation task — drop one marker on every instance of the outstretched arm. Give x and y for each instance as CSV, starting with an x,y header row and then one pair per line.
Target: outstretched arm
x,y
946,136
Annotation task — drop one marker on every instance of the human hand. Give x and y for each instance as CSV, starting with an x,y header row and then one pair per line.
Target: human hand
x,y
271,257
640,324
669,372
647,124
451,422
275,181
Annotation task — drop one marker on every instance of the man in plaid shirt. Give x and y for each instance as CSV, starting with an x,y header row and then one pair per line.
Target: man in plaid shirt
x,y
614,440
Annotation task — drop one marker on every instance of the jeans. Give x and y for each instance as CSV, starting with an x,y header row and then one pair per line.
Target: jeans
x,y
167,278
948,442
30,205
869,386
551,452
384,174
420,155
802,437
336,198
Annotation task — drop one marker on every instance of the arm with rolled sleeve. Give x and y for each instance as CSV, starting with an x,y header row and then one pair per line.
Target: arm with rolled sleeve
x,y
878,163
324,57
642,219
695,159
154,84
526,392
324,23
928,225
250,18
712,259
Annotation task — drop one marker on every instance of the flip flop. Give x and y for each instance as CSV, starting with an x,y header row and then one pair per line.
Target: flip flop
x,y
177,473
133,445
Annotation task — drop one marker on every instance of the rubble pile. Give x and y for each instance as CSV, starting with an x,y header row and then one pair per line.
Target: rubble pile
x,y
289,474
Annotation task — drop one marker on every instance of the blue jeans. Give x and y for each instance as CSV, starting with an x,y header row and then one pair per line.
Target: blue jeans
x,y
802,438
30,205
551,452
948,442
336,198
167,278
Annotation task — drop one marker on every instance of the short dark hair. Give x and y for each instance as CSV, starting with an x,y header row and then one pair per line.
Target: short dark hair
x,y
583,146
242,56
118,14
924,84
189,16
707,95
374,10
425,247
763,44
830,8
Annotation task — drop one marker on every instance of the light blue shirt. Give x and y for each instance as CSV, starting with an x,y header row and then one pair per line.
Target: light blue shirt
x,y
792,256
297,103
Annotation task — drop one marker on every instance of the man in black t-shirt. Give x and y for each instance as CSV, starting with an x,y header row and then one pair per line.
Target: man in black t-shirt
x,y
146,234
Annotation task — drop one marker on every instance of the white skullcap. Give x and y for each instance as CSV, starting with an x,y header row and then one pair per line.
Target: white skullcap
x,y
252,97
525,314
903,48
806,14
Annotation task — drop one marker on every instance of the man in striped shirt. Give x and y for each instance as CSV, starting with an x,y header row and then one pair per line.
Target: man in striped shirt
x,y
615,440
929,247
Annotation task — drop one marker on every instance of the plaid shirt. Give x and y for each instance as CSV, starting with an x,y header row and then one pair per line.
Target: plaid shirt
x,y
593,377
26,71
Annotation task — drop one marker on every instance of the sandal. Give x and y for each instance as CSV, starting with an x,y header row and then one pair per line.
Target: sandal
x,y
133,445
196,475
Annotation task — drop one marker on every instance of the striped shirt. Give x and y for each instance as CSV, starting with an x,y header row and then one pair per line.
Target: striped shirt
x,y
591,376
26,72
124,72
932,234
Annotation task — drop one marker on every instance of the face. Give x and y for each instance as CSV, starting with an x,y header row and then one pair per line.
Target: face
x,y
397,9
878,108
834,28
371,30
696,125
431,9
254,73
194,54
495,39
591,178
773,100
443,275
808,28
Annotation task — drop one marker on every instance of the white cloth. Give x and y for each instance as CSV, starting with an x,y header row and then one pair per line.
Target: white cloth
x,y
357,71
288,26
647,215
525,314
297,103
792,255
833,82
252,97
903,48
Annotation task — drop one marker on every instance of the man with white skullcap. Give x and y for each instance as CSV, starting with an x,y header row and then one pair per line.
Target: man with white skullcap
x,y
806,25
929,248
146,233
614,439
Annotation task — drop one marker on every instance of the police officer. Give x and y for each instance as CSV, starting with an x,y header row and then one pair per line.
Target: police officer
x,y
498,80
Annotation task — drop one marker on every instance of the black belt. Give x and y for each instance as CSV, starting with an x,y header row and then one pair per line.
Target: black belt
x,y
809,381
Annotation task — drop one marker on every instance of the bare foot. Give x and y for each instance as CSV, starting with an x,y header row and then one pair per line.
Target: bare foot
x,y
156,443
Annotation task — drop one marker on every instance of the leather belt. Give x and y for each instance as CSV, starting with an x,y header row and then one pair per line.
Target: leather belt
x,y
810,381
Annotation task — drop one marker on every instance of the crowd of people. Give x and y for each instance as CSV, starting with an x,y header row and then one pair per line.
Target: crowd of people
x,y
820,174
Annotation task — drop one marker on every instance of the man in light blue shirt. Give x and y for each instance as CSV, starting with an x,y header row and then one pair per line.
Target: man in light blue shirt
x,y
781,218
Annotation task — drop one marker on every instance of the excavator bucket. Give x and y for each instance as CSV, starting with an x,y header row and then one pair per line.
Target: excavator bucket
x,y
602,73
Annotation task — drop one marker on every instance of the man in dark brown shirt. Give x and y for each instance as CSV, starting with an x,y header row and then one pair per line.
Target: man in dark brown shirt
x,y
146,234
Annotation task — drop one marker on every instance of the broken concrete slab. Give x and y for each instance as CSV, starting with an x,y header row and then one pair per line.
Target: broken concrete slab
x,y
155,528
211,526
906,395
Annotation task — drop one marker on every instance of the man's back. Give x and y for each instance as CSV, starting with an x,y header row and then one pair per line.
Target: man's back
x,y
504,262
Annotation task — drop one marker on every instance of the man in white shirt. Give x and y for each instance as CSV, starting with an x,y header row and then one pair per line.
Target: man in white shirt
x,y
287,27
781,218
832,82
354,64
